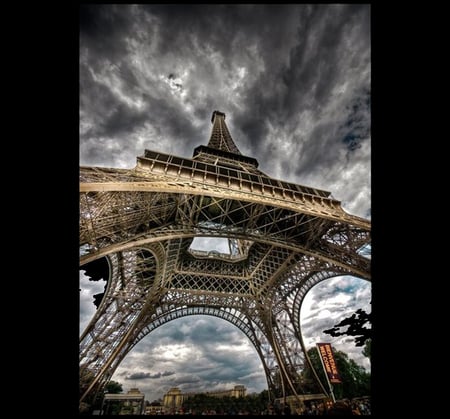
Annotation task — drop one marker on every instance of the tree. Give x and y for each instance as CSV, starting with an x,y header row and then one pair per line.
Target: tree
x,y
113,387
252,403
367,348
355,379
356,327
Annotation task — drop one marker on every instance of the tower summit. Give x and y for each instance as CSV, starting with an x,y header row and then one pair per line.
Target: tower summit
x,y
222,145
220,136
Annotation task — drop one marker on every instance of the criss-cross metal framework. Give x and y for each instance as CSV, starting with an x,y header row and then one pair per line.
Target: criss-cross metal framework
x,y
284,238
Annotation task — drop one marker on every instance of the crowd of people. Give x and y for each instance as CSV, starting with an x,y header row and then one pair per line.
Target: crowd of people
x,y
360,406
344,407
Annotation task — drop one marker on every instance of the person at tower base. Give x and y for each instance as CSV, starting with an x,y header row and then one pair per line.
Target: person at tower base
x,y
340,408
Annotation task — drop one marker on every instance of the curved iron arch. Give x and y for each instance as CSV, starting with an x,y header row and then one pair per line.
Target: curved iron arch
x,y
312,281
113,277
250,329
226,314
298,299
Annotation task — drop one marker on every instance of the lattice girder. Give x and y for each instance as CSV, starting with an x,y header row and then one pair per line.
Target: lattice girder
x,y
277,196
263,271
353,262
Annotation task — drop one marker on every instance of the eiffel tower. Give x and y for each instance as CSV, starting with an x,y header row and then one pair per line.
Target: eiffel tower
x,y
137,226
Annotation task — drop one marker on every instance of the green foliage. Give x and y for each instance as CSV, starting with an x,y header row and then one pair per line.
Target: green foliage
x,y
113,387
252,404
113,407
355,379
367,348
356,327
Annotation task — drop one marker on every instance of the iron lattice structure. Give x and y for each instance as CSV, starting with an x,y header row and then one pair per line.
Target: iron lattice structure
x,y
284,238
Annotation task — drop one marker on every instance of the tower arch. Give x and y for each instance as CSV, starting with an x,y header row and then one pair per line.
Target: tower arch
x,y
250,330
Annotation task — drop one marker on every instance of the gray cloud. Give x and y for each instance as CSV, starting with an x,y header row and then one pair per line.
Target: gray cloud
x,y
294,82
144,375
141,375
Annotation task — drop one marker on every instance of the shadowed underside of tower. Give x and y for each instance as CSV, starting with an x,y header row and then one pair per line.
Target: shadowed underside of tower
x,y
283,239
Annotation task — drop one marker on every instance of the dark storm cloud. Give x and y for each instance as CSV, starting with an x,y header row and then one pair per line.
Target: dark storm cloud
x,y
105,29
144,375
221,27
116,98
111,117
187,379
204,330
315,61
167,373
139,376
325,41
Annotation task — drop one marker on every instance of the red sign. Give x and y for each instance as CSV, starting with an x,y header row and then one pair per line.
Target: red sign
x,y
329,363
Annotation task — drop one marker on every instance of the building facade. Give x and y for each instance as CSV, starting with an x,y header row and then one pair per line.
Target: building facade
x,y
174,398
130,403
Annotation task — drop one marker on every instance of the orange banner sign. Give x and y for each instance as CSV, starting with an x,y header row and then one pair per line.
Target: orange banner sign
x,y
329,363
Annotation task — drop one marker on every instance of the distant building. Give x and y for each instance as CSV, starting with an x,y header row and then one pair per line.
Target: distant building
x,y
131,403
154,408
237,391
174,398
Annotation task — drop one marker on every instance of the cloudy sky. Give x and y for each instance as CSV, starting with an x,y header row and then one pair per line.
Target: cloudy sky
x,y
294,83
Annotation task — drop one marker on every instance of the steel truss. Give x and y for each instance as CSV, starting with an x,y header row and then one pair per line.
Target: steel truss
x,y
284,239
